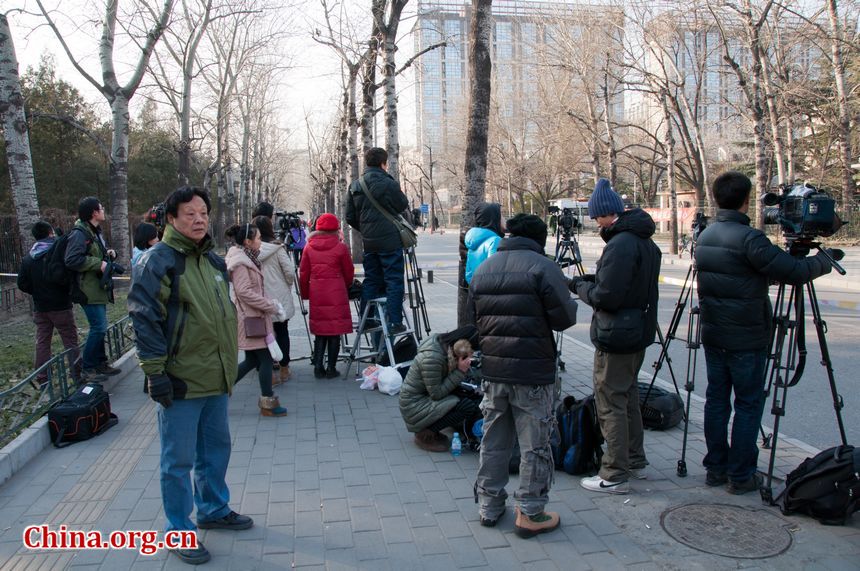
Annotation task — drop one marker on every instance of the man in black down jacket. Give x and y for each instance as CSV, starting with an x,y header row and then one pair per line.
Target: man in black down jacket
x,y
383,249
624,286
520,298
52,305
735,265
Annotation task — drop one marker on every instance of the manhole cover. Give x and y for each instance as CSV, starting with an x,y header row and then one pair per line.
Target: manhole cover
x,y
730,531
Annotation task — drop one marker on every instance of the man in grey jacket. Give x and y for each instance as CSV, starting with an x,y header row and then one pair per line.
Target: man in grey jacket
x,y
520,299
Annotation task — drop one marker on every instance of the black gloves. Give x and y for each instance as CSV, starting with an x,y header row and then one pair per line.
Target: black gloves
x,y
574,282
161,389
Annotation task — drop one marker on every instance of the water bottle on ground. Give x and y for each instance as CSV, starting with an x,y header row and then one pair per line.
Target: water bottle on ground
x,y
456,445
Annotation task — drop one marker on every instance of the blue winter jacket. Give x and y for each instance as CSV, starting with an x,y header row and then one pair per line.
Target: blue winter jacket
x,y
481,244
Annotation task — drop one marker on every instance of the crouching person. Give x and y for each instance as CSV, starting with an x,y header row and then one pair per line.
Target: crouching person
x,y
520,298
427,400
185,329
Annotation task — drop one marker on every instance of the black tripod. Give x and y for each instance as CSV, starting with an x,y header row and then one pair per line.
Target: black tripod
x,y
567,255
567,252
788,352
415,291
694,337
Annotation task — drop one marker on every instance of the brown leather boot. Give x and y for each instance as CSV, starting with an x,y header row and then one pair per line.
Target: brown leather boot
x,y
271,406
529,526
431,441
281,376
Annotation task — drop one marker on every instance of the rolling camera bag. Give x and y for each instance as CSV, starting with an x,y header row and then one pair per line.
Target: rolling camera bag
x,y
826,486
82,415
662,410
577,449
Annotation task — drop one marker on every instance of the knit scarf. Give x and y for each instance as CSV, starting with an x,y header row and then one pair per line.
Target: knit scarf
x,y
253,255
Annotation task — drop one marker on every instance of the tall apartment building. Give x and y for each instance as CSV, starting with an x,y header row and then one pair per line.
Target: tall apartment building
x,y
522,29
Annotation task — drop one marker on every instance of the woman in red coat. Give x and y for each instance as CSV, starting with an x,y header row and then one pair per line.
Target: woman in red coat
x,y
325,273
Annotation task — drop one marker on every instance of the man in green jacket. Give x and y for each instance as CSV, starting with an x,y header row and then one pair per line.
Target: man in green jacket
x,y
88,255
186,336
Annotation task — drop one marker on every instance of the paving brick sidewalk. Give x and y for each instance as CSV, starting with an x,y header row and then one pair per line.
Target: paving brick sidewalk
x,y
338,484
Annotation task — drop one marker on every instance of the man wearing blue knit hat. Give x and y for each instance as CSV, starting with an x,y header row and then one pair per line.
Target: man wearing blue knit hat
x,y
623,294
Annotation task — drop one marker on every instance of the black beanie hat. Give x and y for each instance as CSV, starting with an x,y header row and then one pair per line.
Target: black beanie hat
x,y
528,226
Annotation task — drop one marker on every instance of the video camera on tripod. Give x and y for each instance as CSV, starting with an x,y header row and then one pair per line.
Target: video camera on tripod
x,y
566,247
566,219
286,223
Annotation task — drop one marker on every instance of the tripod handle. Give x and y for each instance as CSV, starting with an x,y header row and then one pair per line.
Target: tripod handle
x,y
832,260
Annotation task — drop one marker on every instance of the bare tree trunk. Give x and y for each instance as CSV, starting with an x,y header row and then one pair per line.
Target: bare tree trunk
x,y
773,116
789,149
842,102
595,138
611,151
669,143
17,138
368,83
245,197
119,235
480,68
389,49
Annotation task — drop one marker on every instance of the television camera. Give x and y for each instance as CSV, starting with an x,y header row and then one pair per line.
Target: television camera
x,y
157,216
802,211
566,219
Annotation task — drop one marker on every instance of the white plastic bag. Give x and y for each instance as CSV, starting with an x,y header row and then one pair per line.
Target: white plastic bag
x,y
369,378
390,381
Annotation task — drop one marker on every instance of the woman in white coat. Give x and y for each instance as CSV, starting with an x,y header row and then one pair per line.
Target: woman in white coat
x,y
280,275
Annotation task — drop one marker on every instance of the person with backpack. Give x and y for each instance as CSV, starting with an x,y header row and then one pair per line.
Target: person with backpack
x,y
280,276
325,274
623,293
520,299
52,306
88,255
736,264
256,310
186,336
428,403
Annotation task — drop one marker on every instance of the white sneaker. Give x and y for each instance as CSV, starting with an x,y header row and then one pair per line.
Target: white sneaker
x,y
598,484
637,474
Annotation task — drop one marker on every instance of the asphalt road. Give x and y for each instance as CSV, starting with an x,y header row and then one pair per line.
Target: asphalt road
x,y
810,416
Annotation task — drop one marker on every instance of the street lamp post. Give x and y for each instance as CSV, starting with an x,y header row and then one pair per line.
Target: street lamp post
x,y
432,193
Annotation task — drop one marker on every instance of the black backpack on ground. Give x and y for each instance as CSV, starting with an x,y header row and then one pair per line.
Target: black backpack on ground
x,y
405,350
578,449
662,410
826,486
80,416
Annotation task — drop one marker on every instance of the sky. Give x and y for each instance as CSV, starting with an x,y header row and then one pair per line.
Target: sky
x,y
311,88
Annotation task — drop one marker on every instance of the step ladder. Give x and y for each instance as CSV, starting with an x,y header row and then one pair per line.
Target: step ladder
x,y
373,341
